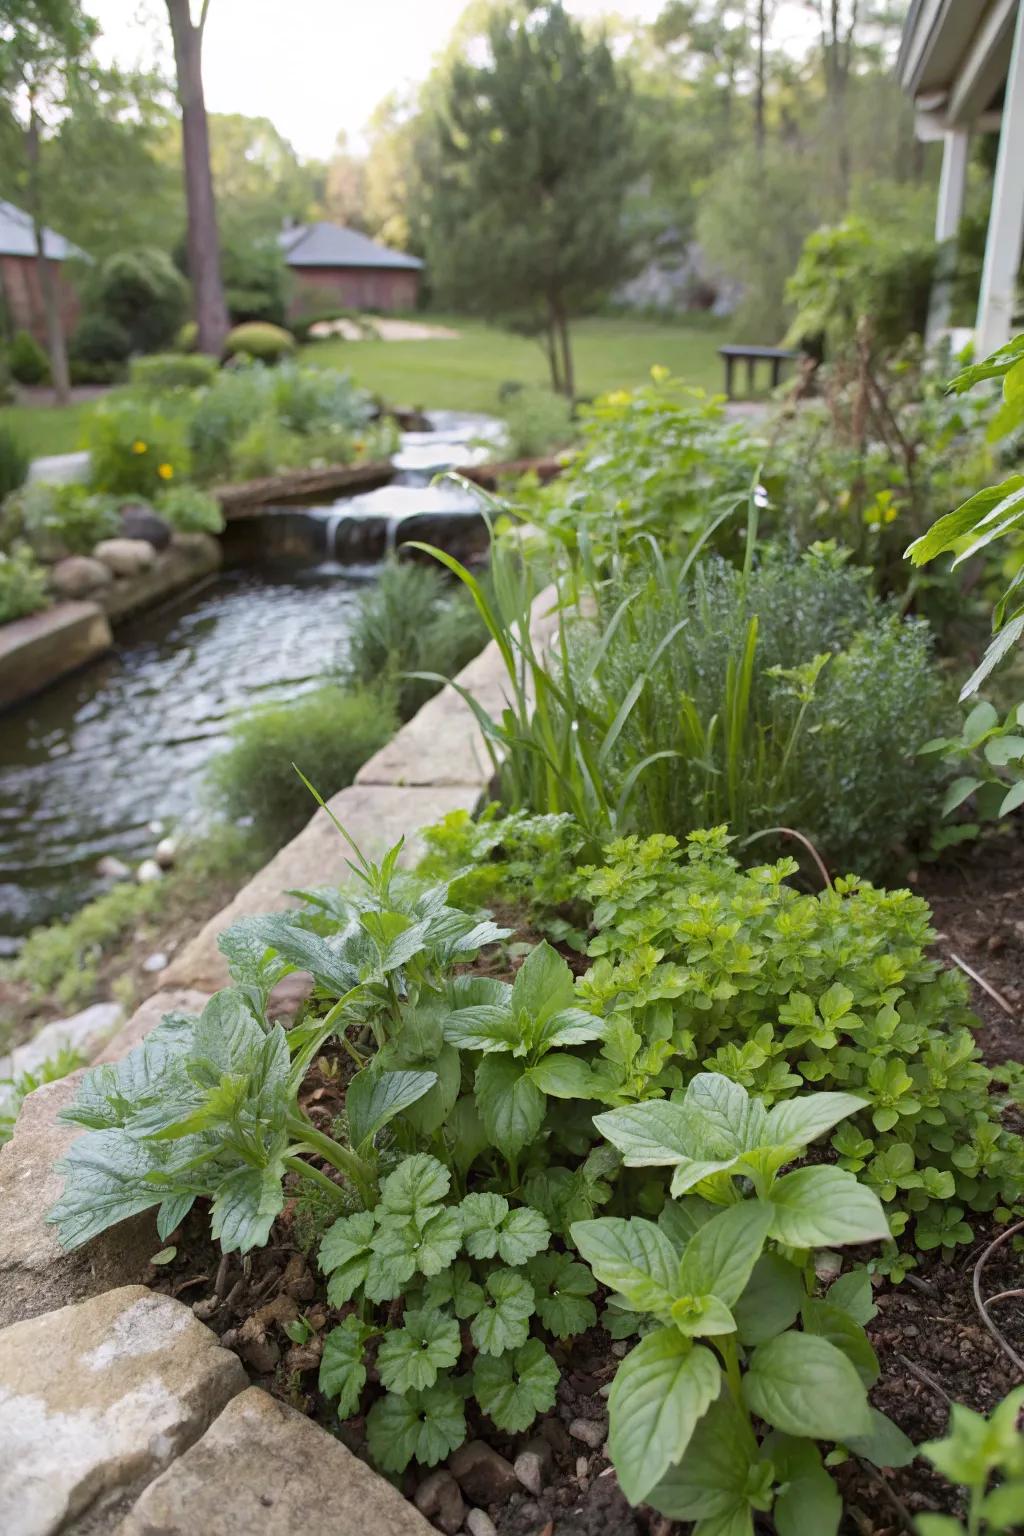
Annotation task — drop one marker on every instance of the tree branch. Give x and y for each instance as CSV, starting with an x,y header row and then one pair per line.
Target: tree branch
x,y
201,23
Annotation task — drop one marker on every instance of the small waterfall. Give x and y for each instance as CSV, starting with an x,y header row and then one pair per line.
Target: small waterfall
x,y
333,523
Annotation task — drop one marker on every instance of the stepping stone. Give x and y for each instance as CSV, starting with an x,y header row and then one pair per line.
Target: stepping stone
x,y
262,1469
96,1399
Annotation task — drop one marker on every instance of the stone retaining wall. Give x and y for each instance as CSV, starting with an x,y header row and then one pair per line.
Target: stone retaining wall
x,y
120,1414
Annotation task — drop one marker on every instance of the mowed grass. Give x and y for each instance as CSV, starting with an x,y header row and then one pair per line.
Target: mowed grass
x,y
464,374
46,429
467,374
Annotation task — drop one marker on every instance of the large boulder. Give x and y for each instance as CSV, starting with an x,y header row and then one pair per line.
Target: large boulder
x,y
141,522
96,1399
79,576
125,557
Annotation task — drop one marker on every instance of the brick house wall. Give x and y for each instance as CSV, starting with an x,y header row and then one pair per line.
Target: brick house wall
x,y
23,297
381,289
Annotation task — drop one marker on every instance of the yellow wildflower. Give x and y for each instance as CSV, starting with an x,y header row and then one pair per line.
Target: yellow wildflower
x,y
659,373
617,397
138,446
165,471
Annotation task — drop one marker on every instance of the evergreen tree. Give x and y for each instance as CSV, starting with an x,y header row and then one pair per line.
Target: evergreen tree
x,y
534,159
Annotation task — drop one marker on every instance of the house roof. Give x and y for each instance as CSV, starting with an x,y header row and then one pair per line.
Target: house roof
x,y
331,245
17,238
954,58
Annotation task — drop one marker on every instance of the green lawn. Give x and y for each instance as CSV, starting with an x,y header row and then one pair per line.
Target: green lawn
x,y
45,429
466,374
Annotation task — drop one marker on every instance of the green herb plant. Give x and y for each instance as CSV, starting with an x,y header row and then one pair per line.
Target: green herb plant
x,y
973,1452
719,1280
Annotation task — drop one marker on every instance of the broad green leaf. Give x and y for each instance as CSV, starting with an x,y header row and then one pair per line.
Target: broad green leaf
x,y
454,1288
342,1372
771,1301
661,1391
564,1076
711,1480
482,1215
172,1213
799,1121
1013,799
832,1323
396,938
701,1317
661,1134
245,1206
808,1499
504,1320
421,1426
511,1106
886,1445
255,967
573,1026
563,1289
732,1120
104,1183
374,1098
804,1386
345,1255
524,1232
682,1219
307,951
853,1293
410,1357
416,1183
543,985
484,1027
719,1259
513,1388
825,1207
944,534
633,1257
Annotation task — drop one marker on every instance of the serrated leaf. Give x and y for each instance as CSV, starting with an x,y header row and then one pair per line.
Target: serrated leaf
x,y
305,950
421,1426
454,1287
484,1027
633,1257
418,1182
372,1099
719,1259
245,1206
523,1233
804,1386
345,1255
410,1357
543,985
511,1106
573,1026
482,1215
825,1207
503,1321
513,1388
661,1391
342,1372
563,1289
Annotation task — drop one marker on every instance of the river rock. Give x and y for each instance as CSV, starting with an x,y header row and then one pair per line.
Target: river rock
x,y
482,1473
148,871
157,961
262,1469
480,1524
79,576
125,557
438,1497
141,522
97,1398
591,1431
534,1465
112,868
166,852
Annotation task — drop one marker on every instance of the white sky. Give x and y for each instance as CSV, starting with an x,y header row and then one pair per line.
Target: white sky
x,y
314,67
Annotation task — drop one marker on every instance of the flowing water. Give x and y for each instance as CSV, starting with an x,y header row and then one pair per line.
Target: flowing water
x,y
91,765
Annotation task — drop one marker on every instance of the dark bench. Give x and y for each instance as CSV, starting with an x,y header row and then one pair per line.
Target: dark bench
x,y
752,356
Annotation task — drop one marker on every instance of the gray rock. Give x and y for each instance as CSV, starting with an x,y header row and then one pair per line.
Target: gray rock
x,y
97,1398
484,1476
83,1032
79,576
111,868
157,961
591,1431
438,1497
125,557
262,1469
529,1468
148,871
479,1524
35,1272
141,522
166,852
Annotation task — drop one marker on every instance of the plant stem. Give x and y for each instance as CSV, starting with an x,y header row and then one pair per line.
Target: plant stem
x,y
309,1172
334,1153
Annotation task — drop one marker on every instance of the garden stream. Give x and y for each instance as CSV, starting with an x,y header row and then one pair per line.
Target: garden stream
x,y
105,761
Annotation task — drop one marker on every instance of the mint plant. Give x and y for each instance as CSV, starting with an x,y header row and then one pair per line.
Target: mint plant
x,y
713,1413
699,964
985,1456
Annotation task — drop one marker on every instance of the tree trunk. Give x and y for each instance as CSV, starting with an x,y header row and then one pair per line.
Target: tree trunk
x,y
551,337
568,375
54,330
762,23
203,243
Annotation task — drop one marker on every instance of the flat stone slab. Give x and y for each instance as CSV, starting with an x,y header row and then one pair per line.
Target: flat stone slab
x,y
37,650
374,816
36,1274
262,1469
60,468
82,1033
96,1399
190,557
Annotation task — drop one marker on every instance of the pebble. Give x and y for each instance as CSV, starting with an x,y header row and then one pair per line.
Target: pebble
x,y
620,1348
480,1524
582,1468
157,961
590,1431
484,1476
261,1354
529,1469
827,1264
110,868
148,871
166,852
438,1498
